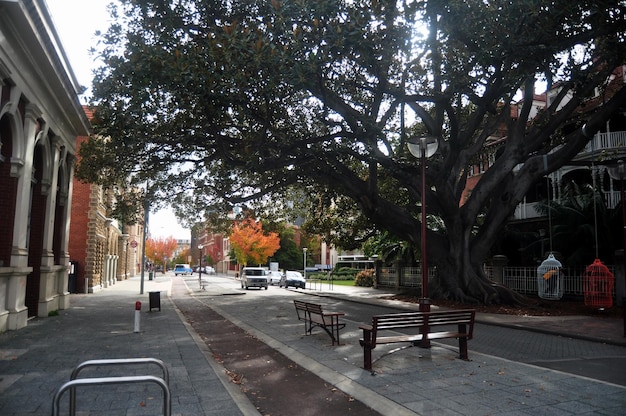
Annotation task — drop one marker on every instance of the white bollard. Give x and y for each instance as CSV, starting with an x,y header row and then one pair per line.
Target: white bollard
x,y
137,315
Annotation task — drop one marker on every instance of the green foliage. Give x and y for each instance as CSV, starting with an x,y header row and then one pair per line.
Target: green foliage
x,y
579,220
289,256
389,249
334,217
221,102
317,275
344,273
365,278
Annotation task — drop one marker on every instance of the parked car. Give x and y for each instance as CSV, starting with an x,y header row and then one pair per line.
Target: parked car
x,y
274,277
205,270
183,269
294,279
254,277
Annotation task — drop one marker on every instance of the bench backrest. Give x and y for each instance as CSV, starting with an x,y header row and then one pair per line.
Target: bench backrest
x,y
307,308
404,320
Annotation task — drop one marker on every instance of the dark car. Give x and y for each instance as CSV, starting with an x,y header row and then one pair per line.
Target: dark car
x,y
293,279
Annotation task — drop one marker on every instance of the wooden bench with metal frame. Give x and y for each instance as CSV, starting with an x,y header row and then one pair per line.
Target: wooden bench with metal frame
x,y
313,315
423,323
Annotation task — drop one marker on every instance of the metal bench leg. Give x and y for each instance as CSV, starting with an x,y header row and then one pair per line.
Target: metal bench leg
x,y
463,348
335,323
367,358
462,344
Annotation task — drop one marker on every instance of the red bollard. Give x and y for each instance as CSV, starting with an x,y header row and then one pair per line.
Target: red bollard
x,y
137,315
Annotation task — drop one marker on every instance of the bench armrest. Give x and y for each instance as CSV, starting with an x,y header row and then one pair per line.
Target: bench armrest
x,y
333,313
366,327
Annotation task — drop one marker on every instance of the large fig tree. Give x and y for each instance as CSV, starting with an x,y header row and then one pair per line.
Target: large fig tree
x,y
235,100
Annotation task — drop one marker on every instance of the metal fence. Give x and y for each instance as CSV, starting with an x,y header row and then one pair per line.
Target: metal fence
x,y
403,277
524,279
387,277
520,279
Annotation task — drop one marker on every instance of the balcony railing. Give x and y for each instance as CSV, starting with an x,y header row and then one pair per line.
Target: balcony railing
x,y
528,210
603,143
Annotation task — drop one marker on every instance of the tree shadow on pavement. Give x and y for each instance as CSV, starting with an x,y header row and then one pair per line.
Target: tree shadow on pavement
x,y
273,383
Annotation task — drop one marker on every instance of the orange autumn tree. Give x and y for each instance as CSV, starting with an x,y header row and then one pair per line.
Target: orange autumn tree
x,y
250,244
160,249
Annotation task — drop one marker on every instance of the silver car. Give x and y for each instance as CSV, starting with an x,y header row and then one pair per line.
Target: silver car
x,y
274,277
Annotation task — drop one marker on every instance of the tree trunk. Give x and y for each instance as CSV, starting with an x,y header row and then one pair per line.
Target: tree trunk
x,y
461,277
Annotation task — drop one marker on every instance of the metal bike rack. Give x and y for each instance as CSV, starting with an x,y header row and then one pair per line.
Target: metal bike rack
x,y
100,381
120,361
74,381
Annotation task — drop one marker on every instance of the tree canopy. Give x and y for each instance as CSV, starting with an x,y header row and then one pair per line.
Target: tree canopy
x,y
251,245
227,101
160,249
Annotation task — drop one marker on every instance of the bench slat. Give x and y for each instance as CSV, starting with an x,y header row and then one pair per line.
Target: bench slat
x,y
418,337
313,315
463,320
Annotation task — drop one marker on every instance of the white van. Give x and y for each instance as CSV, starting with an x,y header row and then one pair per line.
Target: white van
x,y
254,277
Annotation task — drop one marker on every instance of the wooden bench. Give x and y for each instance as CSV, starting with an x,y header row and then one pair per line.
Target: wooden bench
x,y
313,315
423,323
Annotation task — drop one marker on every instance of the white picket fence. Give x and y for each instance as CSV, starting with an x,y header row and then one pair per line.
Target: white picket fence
x,y
520,279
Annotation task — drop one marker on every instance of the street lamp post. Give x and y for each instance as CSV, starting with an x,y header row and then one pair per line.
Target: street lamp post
x,y
200,268
621,178
144,238
304,264
423,148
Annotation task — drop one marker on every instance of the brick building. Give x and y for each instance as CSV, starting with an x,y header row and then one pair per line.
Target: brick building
x,y
102,251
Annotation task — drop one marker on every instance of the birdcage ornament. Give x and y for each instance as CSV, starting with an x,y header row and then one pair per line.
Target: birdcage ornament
x,y
550,279
598,284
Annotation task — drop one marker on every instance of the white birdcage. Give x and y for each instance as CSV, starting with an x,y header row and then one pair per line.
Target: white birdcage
x,y
550,279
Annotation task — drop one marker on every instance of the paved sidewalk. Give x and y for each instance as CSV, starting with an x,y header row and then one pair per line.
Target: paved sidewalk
x,y
35,361
415,381
593,328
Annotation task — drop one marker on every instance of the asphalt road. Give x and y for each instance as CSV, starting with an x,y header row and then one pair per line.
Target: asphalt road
x,y
581,357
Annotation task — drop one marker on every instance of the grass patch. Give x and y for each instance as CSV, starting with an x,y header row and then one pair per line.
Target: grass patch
x,y
343,282
54,313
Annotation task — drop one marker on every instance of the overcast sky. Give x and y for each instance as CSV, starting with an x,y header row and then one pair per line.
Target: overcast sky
x,y
76,22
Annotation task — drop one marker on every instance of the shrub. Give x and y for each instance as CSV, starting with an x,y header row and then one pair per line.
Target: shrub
x,y
344,273
316,275
364,278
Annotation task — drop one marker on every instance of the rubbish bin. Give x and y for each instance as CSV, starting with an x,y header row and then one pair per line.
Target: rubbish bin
x,y
150,275
155,300
72,278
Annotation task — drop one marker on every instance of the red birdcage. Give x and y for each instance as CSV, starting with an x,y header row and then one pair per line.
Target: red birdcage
x,y
598,284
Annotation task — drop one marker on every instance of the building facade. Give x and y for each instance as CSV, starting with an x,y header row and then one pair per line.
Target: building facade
x,y
102,251
40,118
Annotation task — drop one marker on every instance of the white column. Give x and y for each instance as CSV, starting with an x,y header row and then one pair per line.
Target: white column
x,y
22,169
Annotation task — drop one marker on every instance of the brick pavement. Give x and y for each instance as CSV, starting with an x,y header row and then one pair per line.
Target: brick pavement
x,y
36,360
418,381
